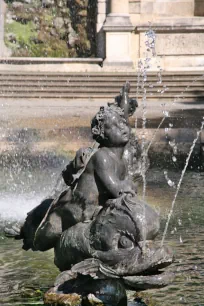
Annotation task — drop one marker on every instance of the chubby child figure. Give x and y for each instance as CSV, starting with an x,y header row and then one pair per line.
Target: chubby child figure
x,y
104,177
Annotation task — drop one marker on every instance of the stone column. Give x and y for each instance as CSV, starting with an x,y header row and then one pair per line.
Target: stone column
x,y
118,28
119,6
101,17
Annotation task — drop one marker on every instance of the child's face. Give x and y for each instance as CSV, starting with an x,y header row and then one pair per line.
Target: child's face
x,y
116,130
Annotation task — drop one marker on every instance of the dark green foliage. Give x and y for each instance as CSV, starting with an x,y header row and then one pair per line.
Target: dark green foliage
x,y
64,29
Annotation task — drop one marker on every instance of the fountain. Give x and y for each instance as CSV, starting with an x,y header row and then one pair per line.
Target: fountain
x,y
106,247
103,235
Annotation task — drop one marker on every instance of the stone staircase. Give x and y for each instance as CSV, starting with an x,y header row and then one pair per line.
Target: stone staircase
x,y
102,85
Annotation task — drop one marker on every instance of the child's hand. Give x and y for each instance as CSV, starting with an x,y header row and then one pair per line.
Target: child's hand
x,y
80,158
130,188
125,88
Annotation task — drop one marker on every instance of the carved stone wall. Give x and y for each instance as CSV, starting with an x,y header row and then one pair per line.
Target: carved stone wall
x,y
168,7
134,6
179,30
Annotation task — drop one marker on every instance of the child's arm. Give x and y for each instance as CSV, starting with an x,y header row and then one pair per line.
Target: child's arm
x,y
75,165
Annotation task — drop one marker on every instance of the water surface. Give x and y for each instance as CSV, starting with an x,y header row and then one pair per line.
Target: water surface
x,y
25,275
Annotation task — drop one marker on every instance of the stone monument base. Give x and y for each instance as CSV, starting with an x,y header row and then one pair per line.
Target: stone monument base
x,y
86,292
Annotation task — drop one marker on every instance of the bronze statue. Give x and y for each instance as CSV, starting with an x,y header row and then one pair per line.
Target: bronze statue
x,y
98,227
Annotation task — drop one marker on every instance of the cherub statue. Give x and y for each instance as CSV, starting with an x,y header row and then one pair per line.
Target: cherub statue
x,y
94,176
104,177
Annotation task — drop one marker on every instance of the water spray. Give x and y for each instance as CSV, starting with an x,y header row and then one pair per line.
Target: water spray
x,y
180,181
143,66
166,114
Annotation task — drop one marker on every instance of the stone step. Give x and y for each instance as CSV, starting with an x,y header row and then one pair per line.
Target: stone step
x,y
168,74
100,85
101,89
73,78
101,73
101,95
96,79
94,83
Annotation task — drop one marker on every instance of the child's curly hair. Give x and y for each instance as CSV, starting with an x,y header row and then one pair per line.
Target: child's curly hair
x,y
97,123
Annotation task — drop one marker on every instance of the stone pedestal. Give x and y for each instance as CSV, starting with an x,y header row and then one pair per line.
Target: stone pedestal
x,y
100,36
118,28
119,6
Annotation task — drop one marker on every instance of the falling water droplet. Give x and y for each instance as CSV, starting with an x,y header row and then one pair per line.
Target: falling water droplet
x,y
175,149
150,42
179,222
166,113
180,240
174,159
171,183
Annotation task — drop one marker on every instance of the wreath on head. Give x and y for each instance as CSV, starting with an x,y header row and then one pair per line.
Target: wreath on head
x,y
97,123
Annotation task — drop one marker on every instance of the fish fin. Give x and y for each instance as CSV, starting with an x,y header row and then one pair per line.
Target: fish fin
x,y
13,232
64,277
87,267
107,271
